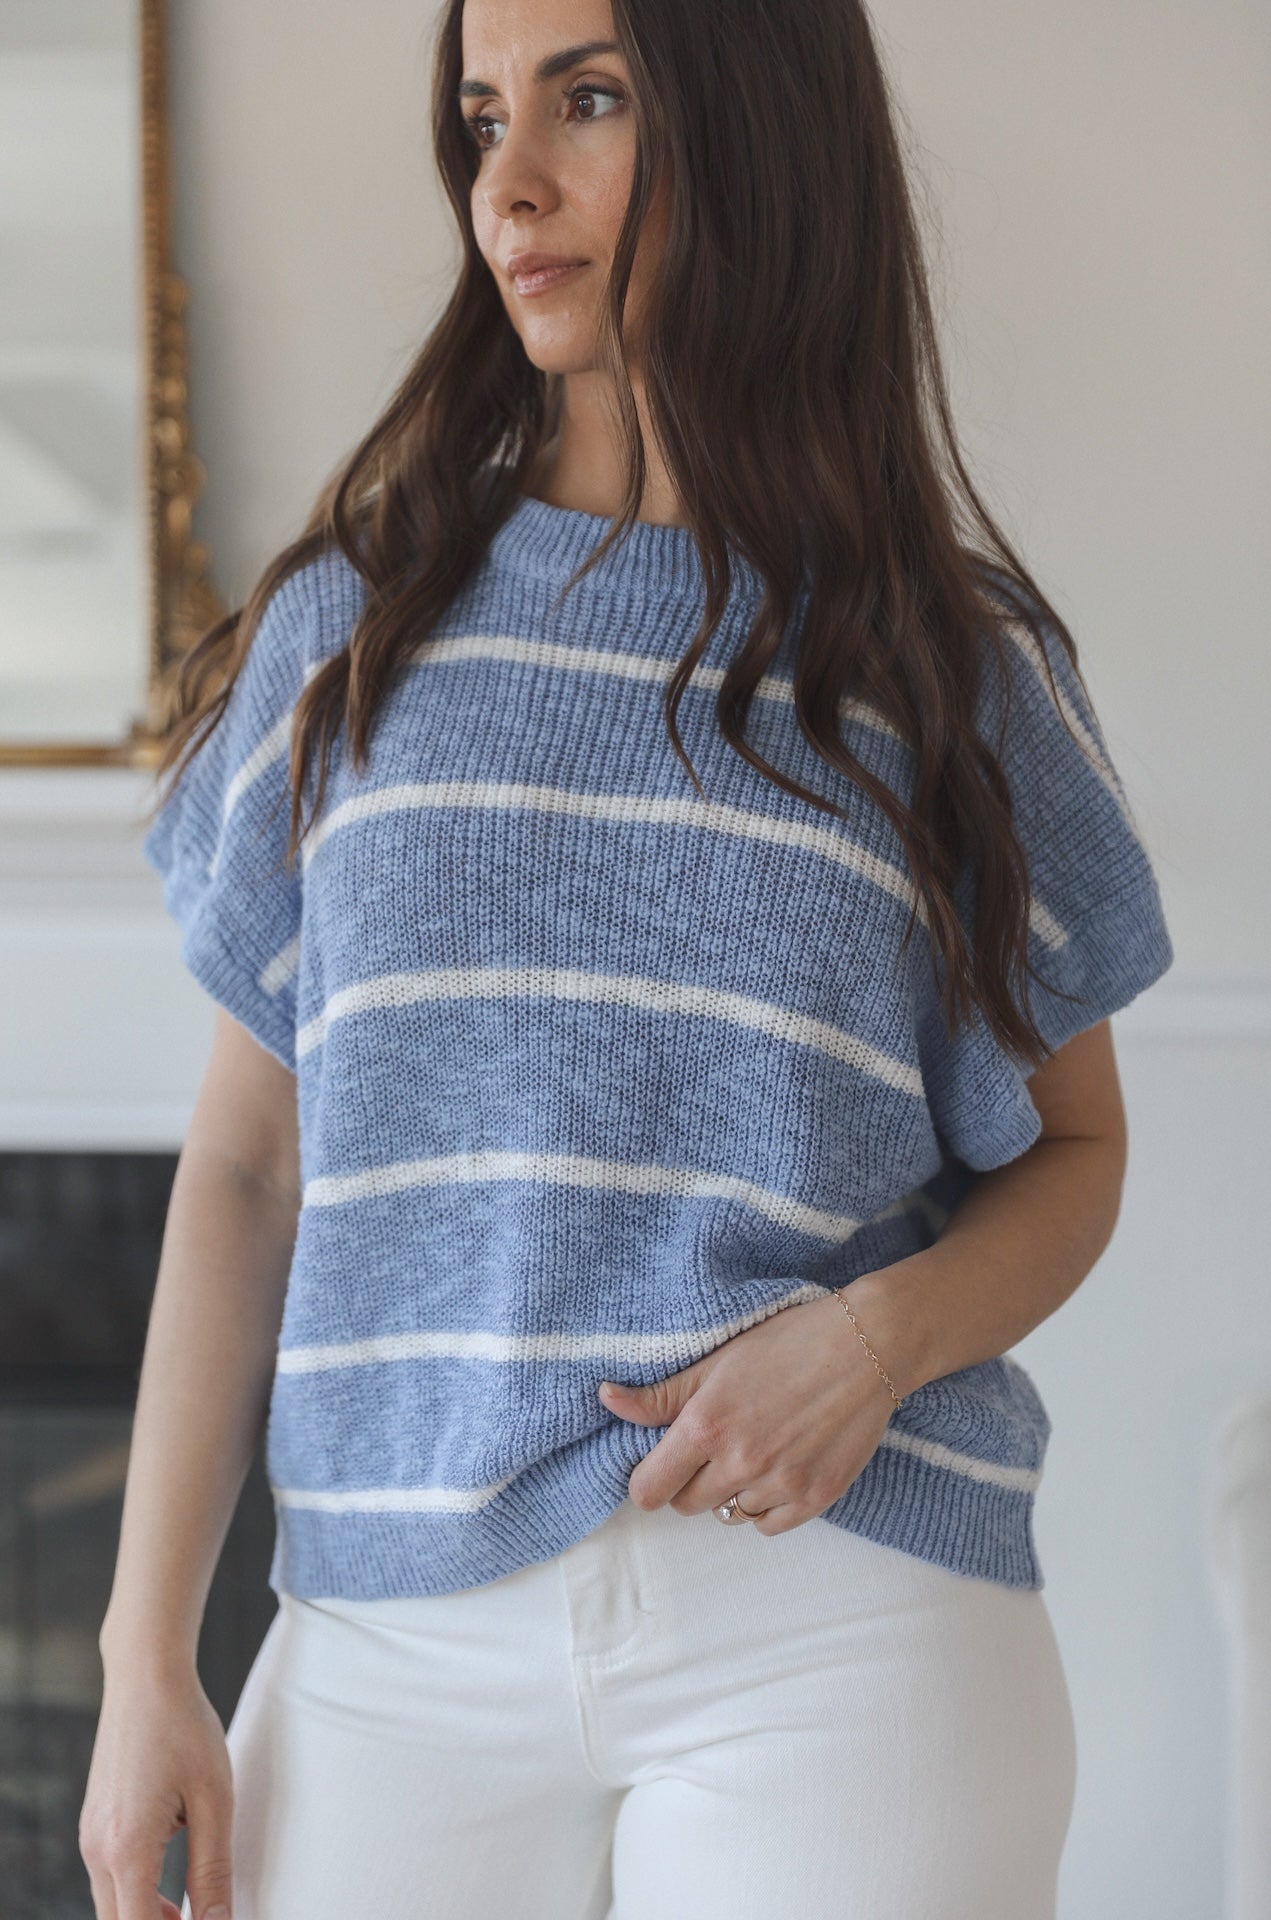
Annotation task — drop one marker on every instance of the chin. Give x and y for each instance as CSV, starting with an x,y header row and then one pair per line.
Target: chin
x,y
558,356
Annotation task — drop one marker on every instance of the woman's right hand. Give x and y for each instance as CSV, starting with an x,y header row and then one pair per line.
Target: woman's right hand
x,y
159,1762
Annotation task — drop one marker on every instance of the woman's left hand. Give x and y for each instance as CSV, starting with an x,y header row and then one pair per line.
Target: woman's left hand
x,y
784,1415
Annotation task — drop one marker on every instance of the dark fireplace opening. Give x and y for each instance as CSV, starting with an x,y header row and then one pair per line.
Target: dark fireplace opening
x,y
80,1235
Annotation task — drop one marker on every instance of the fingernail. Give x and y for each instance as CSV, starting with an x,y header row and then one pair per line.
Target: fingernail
x,y
216,1913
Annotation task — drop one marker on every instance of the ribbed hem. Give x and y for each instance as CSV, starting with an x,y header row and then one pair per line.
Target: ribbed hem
x,y
970,1526
1113,954
900,1499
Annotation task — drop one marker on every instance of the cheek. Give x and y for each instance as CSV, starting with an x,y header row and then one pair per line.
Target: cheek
x,y
598,194
656,220
484,227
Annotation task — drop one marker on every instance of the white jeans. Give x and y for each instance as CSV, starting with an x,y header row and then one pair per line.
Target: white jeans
x,y
674,1719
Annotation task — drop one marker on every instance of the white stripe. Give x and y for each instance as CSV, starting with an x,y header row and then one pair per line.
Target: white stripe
x,y
263,754
275,746
1026,641
272,748
770,686
1017,1479
572,1169
660,1348
1045,926
634,666
661,996
392,1499
634,1348
624,1349
1040,919
281,967
708,815
629,666
472,1499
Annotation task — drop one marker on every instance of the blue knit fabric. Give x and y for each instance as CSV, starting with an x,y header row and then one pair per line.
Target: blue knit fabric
x,y
594,1071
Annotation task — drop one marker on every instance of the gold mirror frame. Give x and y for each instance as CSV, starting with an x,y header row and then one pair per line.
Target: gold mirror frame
x,y
183,603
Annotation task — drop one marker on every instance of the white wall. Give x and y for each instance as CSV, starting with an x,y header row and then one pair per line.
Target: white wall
x,y
310,227
1100,177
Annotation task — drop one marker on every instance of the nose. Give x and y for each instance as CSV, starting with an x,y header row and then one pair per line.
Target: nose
x,y
515,177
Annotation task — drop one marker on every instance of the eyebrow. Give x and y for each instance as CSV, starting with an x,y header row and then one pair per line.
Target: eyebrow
x,y
549,68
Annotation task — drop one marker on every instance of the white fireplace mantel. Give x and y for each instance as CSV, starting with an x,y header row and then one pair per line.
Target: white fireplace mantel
x,y
103,1035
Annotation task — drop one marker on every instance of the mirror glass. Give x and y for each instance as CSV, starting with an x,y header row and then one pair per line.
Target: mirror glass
x,y
74,561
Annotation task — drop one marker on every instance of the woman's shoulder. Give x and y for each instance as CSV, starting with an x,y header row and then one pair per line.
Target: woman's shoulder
x,y
314,607
1033,704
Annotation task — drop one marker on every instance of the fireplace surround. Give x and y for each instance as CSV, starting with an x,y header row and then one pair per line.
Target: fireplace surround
x,y
80,1234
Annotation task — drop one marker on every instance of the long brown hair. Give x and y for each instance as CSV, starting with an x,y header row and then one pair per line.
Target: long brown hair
x,y
795,388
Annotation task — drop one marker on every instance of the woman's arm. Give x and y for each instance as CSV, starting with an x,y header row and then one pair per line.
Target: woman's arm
x,y
792,1409
210,1351
1023,1238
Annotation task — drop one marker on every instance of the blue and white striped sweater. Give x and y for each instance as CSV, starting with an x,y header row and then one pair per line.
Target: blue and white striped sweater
x,y
594,1072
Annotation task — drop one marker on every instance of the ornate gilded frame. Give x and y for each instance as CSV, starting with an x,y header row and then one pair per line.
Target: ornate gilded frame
x,y
183,602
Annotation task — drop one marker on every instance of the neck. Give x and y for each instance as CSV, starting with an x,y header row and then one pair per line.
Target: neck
x,y
580,467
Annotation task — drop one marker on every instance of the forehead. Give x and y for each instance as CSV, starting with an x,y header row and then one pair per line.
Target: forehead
x,y
512,37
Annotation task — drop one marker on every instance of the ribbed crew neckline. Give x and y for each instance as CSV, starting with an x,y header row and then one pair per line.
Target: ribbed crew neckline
x,y
548,542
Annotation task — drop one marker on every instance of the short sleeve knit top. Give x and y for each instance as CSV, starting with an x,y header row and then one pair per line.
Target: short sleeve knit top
x,y
595,1071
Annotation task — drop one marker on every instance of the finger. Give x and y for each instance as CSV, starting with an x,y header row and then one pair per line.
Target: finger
x,y
764,1508
102,1887
128,1887
781,1519
710,1487
208,1873
138,1898
670,1466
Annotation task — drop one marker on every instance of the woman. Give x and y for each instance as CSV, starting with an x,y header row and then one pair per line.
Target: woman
x,y
673,1074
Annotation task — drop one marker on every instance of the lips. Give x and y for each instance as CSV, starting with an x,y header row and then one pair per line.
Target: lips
x,y
544,279
536,272
530,259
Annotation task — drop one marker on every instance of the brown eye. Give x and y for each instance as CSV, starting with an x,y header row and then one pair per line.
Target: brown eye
x,y
475,124
594,93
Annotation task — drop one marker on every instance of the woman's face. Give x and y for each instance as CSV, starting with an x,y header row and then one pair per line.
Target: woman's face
x,y
546,100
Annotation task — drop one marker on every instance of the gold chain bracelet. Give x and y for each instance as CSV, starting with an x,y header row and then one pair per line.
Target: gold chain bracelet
x,y
865,1343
